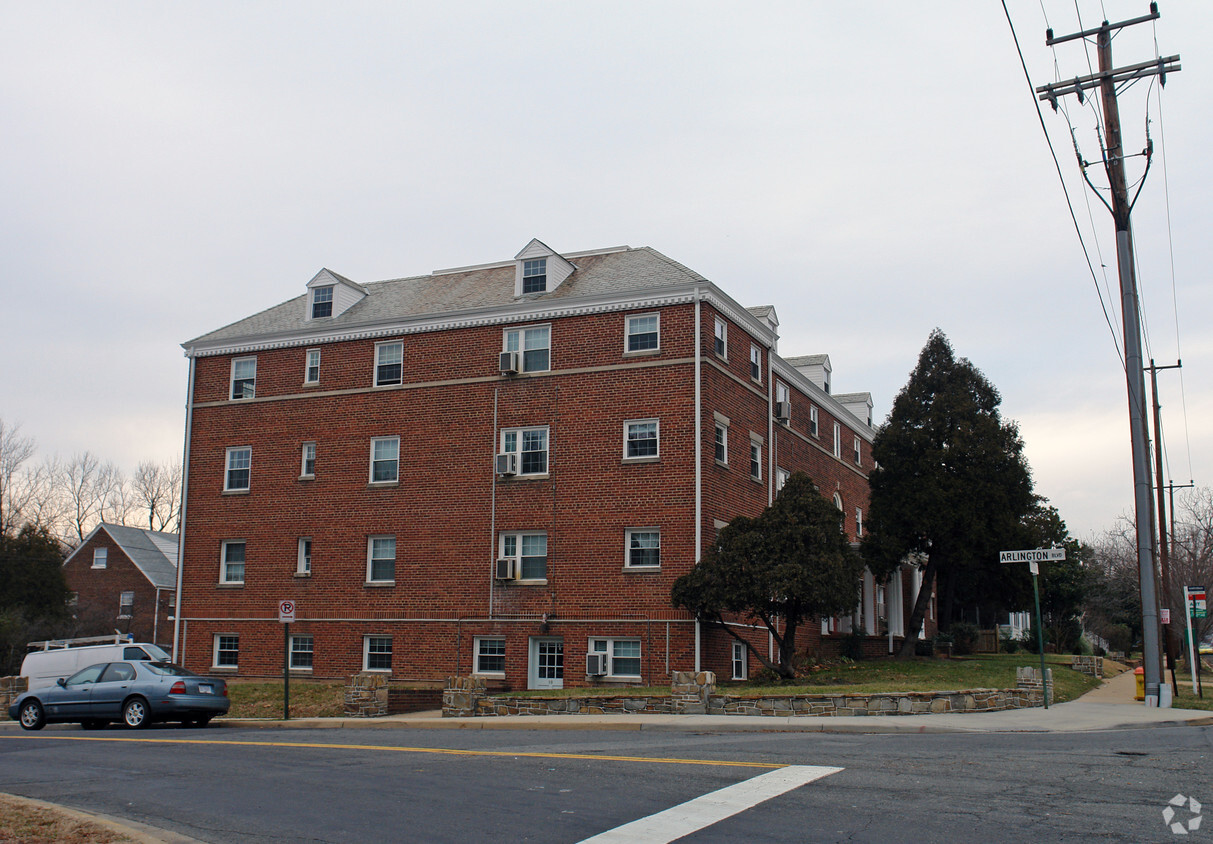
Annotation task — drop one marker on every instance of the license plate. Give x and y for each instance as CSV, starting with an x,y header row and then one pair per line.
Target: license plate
x,y
204,689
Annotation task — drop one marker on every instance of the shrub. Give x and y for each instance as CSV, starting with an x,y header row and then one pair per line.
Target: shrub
x,y
852,646
1008,645
964,637
1119,637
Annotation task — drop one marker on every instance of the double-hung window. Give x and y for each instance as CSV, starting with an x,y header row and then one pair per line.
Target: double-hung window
x,y
739,661
389,363
307,465
239,465
227,650
100,556
643,333
311,369
623,656
531,446
126,604
231,563
812,420
529,551
722,339
640,439
837,440
385,460
490,656
381,559
858,522
244,378
722,440
858,453
322,302
533,346
377,653
643,548
302,649
303,563
783,400
755,456
781,478
535,275
755,363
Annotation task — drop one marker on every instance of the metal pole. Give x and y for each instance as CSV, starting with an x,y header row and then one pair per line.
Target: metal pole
x,y
286,671
1191,637
1040,634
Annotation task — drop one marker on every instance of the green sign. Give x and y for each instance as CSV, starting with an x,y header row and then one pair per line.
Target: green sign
x,y
1198,606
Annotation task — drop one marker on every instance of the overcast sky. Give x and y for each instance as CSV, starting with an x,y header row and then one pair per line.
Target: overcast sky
x,y
872,169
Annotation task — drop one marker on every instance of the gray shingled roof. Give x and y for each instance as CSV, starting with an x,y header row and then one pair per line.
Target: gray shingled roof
x,y
448,293
154,553
807,360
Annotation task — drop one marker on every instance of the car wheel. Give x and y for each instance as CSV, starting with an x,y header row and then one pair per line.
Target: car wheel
x,y
92,724
31,715
135,713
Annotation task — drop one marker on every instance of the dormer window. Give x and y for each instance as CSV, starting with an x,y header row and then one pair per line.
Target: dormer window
x,y
535,275
322,302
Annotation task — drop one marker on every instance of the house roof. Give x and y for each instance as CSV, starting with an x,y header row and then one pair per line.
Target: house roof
x,y
808,360
153,553
447,293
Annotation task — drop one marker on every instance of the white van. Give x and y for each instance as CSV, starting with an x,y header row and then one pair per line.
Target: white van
x,y
61,659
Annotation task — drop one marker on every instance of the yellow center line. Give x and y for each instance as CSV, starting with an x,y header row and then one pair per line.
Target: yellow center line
x,y
444,751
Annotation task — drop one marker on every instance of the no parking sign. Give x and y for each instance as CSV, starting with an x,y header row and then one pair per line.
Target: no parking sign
x,y
286,611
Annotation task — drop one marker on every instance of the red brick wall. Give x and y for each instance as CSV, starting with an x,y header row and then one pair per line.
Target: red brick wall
x,y
99,591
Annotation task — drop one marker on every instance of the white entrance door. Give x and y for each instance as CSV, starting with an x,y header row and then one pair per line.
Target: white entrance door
x,y
546,664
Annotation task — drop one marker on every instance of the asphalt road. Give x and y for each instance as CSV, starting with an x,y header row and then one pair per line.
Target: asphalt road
x,y
353,785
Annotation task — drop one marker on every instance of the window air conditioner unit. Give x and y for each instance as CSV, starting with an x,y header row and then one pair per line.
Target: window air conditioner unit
x,y
783,411
509,363
595,664
507,464
505,569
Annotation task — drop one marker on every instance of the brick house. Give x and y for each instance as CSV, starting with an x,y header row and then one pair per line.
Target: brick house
x,y
497,469
125,579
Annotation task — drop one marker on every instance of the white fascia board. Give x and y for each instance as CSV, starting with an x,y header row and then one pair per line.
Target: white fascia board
x,y
820,397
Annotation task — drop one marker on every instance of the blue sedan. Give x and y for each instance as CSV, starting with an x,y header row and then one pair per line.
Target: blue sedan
x,y
134,693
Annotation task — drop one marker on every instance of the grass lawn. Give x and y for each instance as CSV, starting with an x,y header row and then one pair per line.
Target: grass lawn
x,y
983,671
255,699
31,824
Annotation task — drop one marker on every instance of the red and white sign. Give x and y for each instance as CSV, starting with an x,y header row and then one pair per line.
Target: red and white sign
x,y
286,611
1166,616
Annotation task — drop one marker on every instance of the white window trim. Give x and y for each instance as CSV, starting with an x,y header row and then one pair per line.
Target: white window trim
x,y
370,476
518,555
721,332
814,429
627,549
223,562
370,547
627,334
858,522
476,672
215,664
756,441
722,424
303,562
307,366
542,261
858,453
610,654
303,472
100,558
227,468
375,371
311,301
547,439
231,386
521,351
781,478
755,351
837,440
739,648
783,394
303,669
130,608
366,653
647,458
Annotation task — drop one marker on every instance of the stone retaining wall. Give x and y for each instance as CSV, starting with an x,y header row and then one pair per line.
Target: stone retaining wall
x,y
10,687
1092,665
694,694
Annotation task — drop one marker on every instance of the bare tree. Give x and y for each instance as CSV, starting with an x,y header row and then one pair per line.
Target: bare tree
x,y
15,450
1191,557
156,488
87,485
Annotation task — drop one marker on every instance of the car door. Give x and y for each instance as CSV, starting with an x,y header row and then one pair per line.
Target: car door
x,y
72,700
111,689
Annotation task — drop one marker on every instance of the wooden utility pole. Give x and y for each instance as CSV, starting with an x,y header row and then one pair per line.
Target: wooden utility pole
x,y
1106,80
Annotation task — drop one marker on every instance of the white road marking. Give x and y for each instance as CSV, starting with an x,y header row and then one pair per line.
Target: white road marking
x,y
711,808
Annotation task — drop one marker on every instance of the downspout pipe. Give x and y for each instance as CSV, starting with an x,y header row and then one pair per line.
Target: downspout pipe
x,y
698,459
185,496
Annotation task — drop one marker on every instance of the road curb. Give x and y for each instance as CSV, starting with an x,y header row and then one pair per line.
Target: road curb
x,y
140,833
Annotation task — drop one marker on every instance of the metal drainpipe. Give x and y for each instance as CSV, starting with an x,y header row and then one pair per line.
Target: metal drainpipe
x,y
698,461
185,490
493,511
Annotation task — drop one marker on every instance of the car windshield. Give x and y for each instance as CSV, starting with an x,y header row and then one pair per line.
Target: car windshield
x,y
157,654
169,669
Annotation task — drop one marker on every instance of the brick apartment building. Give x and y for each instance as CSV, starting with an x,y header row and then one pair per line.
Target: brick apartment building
x,y
125,579
497,469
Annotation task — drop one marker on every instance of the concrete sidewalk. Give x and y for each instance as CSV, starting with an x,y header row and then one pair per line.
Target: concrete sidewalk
x,y
1109,707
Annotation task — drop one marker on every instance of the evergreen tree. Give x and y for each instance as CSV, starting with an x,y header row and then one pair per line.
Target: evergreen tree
x,y
951,485
790,564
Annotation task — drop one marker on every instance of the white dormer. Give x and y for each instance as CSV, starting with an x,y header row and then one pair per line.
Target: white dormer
x,y
330,295
814,367
538,269
767,316
858,405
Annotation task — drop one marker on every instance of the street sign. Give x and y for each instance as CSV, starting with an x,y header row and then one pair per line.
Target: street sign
x,y
1164,616
1200,605
1034,555
286,611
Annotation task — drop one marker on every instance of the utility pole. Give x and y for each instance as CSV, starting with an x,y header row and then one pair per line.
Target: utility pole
x,y
1163,555
1106,80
